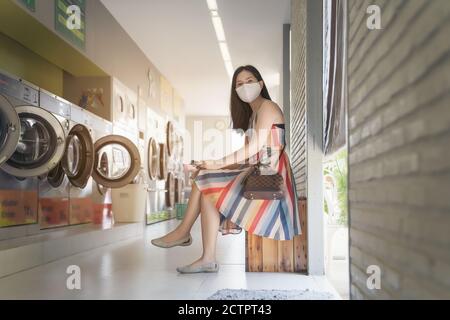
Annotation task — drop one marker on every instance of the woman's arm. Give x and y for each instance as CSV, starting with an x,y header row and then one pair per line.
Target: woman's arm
x,y
268,114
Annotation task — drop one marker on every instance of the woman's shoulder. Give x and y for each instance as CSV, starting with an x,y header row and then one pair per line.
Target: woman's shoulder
x,y
271,108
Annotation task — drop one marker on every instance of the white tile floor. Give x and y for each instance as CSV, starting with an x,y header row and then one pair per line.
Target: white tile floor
x,y
134,269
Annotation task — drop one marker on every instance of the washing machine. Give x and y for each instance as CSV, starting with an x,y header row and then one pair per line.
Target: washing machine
x,y
152,164
179,167
174,141
101,195
117,160
157,167
124,169
78,165
54,205
33,143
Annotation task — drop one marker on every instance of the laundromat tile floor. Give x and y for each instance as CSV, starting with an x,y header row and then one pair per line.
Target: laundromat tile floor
x,y
134,269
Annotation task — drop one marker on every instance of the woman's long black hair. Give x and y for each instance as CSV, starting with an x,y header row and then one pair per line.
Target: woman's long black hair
x,y
240,110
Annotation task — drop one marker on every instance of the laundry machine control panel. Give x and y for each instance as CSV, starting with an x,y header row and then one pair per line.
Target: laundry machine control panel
x,y
54,104
19,89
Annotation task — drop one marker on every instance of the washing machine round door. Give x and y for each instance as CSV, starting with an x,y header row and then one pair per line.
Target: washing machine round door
x,y
124,161
41,143
170,138
163,162
103,166
179,187
56,176
78,161
9,129
170,190
153,159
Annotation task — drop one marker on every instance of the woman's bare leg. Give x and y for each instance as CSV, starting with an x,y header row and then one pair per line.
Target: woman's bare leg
x,y
192,212
210,227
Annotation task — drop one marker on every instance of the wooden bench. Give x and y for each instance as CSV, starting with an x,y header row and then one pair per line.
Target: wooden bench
x,y
267,255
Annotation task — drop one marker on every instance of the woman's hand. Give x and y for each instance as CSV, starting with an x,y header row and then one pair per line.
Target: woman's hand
x,y
190,167
210,165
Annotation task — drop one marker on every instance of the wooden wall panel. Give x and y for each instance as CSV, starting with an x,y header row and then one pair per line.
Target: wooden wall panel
x,y
286,256
270,255
255,254
301,242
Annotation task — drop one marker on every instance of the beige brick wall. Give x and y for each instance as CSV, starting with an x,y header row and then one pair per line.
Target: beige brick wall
x,y
399,148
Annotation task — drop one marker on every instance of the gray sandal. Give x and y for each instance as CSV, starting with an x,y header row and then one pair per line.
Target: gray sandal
x,y
186,241
208,268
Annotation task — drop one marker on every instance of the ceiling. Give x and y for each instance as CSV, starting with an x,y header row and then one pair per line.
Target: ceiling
x,y
179,38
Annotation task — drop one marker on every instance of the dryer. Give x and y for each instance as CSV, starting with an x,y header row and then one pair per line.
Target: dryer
x,y
124,144
101,194
117,159
122,169
54,206
78,165
33,145
175,182
156,164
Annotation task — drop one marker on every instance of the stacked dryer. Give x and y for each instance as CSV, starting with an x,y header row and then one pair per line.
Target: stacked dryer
x,y
164,167
115,158
126,154
174,137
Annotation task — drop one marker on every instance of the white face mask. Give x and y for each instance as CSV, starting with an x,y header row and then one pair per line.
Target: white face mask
x,y
248,92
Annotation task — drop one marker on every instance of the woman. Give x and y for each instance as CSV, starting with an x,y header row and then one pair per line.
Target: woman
x,y
217,191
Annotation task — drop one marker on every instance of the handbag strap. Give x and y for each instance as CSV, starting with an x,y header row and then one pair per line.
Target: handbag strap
x,y
257,165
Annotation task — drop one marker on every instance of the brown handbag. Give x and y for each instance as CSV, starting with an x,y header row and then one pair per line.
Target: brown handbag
x,y
263,187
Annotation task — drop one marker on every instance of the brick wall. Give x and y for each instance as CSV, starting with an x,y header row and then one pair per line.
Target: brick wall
x,y
298,95
399,148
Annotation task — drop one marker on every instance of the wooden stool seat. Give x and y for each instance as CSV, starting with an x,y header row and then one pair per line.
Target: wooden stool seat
x,y
267,255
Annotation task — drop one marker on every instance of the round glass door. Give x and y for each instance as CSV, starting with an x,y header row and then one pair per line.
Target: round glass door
x,y
124,161
163,161
170,138
153,159
9,129
78,161
170,190
56,176
40,146
103,166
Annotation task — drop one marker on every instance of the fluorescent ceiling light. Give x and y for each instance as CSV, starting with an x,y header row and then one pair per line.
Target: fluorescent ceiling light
x,y
218,26
220,34
212,5
225,53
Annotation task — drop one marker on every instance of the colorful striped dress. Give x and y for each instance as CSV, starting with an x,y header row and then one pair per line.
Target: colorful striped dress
x,y
275,219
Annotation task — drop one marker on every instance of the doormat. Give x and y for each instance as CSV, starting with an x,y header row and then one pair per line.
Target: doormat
x,y
241,294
